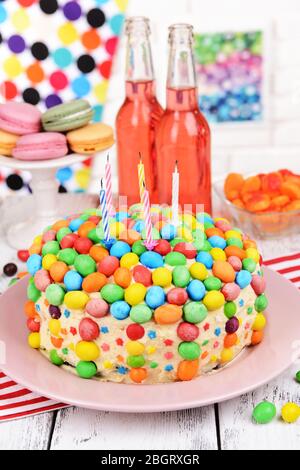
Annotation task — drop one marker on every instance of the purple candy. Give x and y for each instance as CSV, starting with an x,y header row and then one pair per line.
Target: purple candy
x,y
53,100
16,44
232,325
72,11
54,312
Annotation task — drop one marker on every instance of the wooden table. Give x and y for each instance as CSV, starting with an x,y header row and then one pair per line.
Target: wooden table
x,y
224,426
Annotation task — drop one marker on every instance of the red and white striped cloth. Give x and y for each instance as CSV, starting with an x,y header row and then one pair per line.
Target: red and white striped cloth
x,y
18,402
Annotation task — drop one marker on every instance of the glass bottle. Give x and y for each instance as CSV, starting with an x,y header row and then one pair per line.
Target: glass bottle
x,y
139,115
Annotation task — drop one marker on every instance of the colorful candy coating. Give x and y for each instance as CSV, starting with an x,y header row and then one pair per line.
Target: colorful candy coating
x,y
87,350
181,276
196,290
86,369
85,265
168,314
195,312
135,293
175,259
140,314
97,308
155,297
290,412
264,412
55,294
55,359
120,309
112,293
189,350
214,300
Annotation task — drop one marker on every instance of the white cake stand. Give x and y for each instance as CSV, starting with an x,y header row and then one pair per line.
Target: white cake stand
x,y
45,194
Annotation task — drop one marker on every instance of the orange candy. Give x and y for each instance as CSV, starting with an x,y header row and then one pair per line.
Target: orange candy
x,y
233,185
238,203
98,252
35,249
60,224
271,183
58,271
224,271
138,374
122,277
22,274
293,206
187,369
249,244
130,236
85,228
233,250
291,190
230,340
210,232
94,282
29,309
278,202
251,184
257,337
258,202
168,314
57,342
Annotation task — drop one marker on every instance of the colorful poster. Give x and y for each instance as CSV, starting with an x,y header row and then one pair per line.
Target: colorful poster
x,y
230,73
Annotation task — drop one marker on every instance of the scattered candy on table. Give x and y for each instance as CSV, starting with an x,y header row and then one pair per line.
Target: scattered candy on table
x,y
264,412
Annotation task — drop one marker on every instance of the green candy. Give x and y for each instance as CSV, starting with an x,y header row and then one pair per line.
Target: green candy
x,y
202,245
55,359
181,276
264,412
135,361
199,235
249,310
32,292
140,313
138,248
298,376
85,265
86,370
212,283
92,235
189,350
51,247
68,256
177,240
208,225
13,281
194,312
112,293
55,294
153,365
175,259
62,233
91,212
249,264
84,217
235,242
261,303
230,309
100,232
155,234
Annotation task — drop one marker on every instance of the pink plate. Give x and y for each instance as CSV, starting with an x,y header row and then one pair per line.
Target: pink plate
x,y
251,369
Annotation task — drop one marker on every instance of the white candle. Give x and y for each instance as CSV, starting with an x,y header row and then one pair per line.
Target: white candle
x,y
175,195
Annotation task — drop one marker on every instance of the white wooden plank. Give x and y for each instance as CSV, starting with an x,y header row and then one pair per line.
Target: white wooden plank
x,y
30,433
77,428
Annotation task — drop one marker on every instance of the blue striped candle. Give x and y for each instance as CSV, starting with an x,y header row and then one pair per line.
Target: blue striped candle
x,y
104,211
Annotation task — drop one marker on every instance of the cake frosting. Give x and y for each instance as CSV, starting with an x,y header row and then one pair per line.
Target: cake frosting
x,y
115,311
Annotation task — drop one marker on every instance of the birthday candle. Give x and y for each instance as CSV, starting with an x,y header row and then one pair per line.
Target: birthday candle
x,y
175,195
147,215
104,211
108,187
141,175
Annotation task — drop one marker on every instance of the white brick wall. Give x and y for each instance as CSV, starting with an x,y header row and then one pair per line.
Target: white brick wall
x,y
237,147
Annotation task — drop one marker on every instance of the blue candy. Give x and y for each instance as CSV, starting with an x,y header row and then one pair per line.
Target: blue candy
x,y
196,290
168,232
155,297
121,216
205,258
75,224
120,310
120,249
202,217
243,278
217,242
34,264
139,226
151,260
73,280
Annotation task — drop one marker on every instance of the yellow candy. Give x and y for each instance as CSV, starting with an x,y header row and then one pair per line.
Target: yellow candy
x,y
135,293
240,320
151,350
129,260
155,210
135,348
48,260
198,271
216,219
87,351
107,365
253,253
116,228
34,340
226,355
232,234
185,233
199,226
71,346
76,299
213,358
54,327
162,277
189,220
290,412
214,300
218,254
259,322
38,239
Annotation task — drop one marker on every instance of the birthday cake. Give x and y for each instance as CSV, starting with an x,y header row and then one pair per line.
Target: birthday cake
x,y
116,311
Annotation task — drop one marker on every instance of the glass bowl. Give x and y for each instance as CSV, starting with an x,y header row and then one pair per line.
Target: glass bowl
x,y
264,225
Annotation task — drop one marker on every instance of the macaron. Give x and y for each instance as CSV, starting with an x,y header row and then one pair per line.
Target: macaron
x,y
19,118
7,143
90,139
41,146
67,116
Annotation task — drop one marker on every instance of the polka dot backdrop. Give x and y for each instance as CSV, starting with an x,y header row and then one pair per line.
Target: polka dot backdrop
x,y
54,51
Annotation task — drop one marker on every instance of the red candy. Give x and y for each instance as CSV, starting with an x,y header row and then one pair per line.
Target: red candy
x,y
88,329
187,331
163,247
83,245
231,291
95,219
135,331
258,284
108,265
187,249
143,275
68,240
177,296
23,255
33,325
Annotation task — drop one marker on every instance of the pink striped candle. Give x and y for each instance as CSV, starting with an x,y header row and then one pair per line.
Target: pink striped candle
x,y
149,243
108,187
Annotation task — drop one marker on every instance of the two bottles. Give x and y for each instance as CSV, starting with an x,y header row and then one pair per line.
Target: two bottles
x,y
180,133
